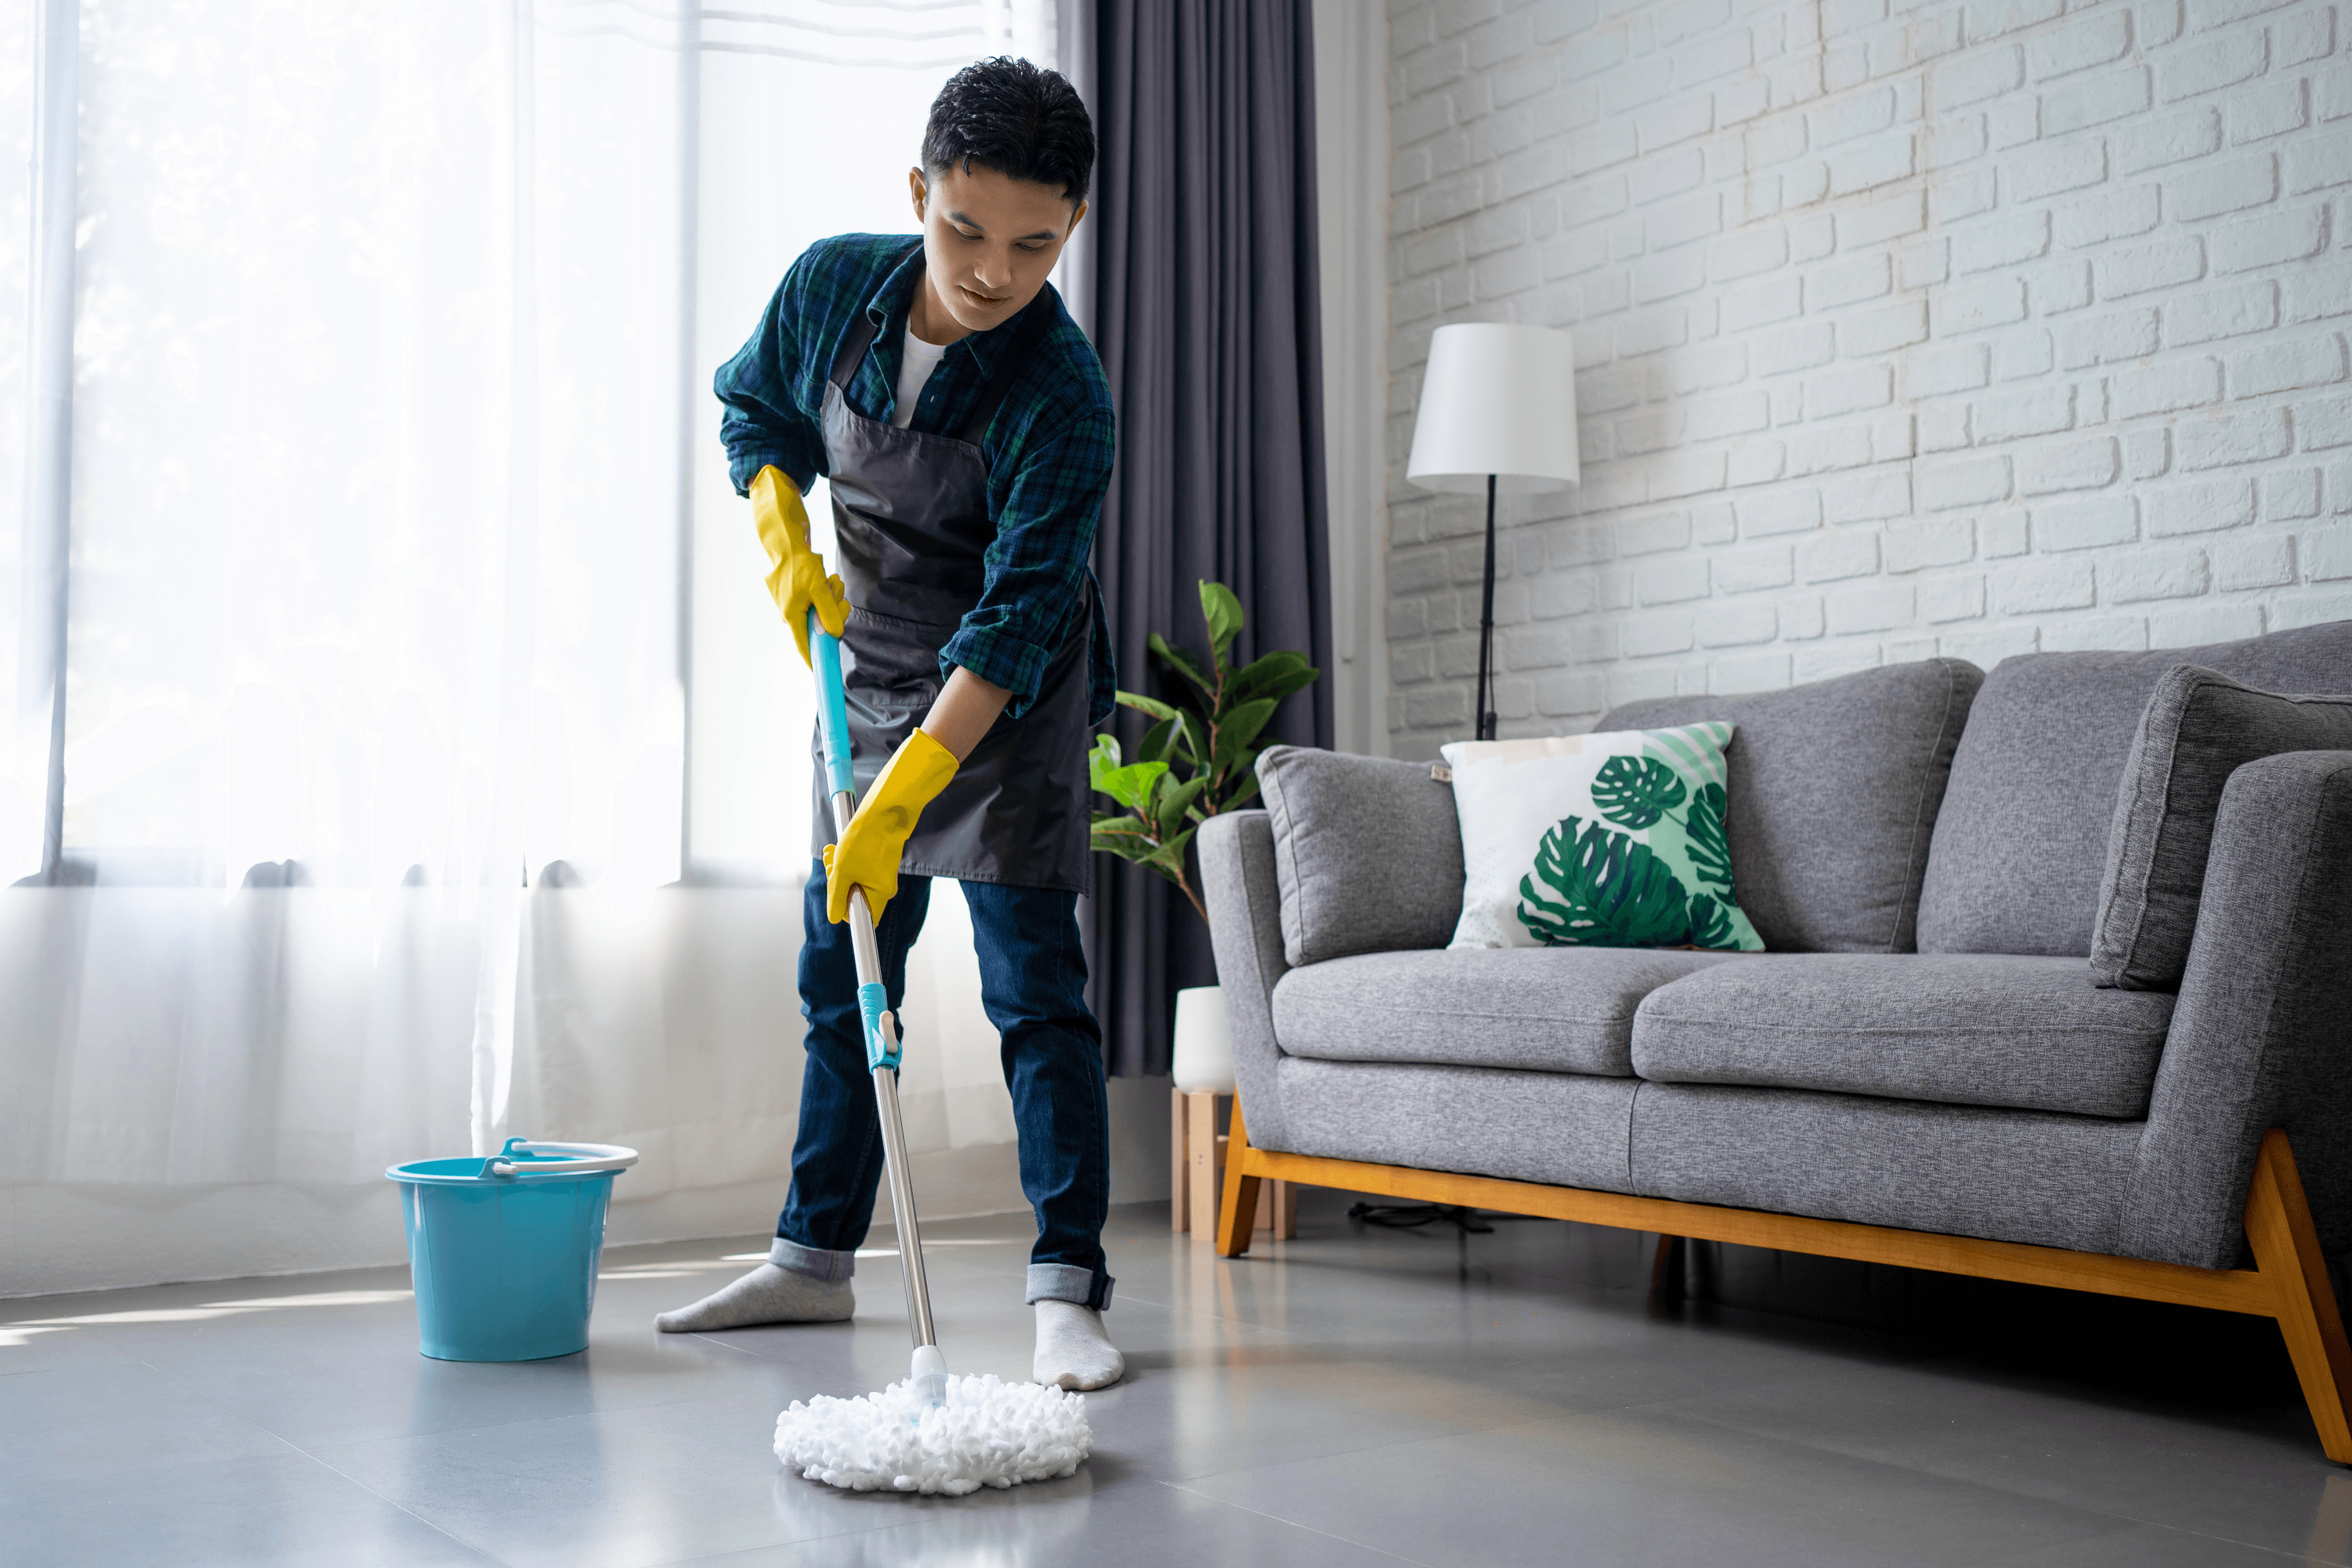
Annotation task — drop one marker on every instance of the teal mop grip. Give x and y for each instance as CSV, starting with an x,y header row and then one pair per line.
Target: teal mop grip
x,y
832,709
881,1050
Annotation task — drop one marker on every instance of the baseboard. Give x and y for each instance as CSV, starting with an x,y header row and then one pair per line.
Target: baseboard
x,y
56,1239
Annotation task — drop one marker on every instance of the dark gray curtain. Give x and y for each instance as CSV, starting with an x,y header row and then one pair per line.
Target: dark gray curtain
x,y
1206,313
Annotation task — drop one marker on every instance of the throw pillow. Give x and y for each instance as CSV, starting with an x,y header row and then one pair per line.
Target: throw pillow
x,y
2197,728
1365,855
1614,839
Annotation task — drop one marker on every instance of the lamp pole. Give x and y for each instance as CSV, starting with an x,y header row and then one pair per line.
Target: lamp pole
x,y
1486,717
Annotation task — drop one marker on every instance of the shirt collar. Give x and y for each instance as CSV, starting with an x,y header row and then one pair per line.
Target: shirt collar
x,y
894,296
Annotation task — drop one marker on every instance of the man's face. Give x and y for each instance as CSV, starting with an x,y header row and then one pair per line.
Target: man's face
x,y
989,240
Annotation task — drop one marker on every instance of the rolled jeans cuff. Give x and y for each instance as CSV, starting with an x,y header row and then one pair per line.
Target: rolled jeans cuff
x,y
1069,1282
814,1262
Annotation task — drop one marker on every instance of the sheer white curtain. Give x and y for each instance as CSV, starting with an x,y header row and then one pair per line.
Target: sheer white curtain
x,y
406,592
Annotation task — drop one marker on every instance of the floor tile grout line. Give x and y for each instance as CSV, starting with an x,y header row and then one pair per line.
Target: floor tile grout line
x,y
591,1412
2176,1529
193,1392
1654,1412
2121,1519
1295,1524
394,1503
1108,1489
1187,1481
1952,1479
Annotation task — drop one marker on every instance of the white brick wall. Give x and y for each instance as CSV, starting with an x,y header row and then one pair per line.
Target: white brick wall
x,y
1902,329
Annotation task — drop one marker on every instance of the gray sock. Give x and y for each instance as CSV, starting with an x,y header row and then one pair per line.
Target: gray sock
x,y
766,1295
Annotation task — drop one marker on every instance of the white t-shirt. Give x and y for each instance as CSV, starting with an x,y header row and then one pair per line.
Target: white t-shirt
x,y
917,360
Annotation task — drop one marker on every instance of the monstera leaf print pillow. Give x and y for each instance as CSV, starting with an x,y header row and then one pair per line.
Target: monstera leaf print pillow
x,y
1605,840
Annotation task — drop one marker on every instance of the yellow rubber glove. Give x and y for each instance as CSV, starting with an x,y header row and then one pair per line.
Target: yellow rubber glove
x,y
798,581
867,856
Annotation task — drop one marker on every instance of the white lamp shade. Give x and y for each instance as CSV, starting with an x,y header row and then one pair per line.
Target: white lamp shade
x,y
1499,400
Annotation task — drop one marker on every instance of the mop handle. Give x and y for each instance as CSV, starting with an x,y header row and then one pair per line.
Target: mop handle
x,y
840,780
873,1000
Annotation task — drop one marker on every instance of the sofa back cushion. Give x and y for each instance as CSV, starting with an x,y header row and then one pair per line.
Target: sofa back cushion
x,y
2022,839
1367,853
2197,729
1834,789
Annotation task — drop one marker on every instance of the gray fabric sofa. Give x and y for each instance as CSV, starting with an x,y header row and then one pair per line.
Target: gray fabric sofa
x,y
1921,1050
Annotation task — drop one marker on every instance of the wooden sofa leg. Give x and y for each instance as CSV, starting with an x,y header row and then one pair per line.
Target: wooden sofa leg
x,y
1666,1271
2286,1248
1237,1215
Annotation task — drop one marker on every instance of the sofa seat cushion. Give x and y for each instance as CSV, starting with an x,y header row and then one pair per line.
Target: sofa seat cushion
x,y
1566,1009
1960,1170
1566,1129
2026,1034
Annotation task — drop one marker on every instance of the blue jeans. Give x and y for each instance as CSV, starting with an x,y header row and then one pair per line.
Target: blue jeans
x,y
1032,982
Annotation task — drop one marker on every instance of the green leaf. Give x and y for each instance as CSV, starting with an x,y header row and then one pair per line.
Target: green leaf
x,y
1710,923
1172,805
1241,792
1710,847
1169,858
1181,662
1634,791
1595,887
1238,728
1154,748
1274,675
1125,837
1130,786
1223,613
1142,704
1185,745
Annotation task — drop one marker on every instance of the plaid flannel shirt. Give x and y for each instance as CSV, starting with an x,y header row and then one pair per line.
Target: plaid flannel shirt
x,y
1048,449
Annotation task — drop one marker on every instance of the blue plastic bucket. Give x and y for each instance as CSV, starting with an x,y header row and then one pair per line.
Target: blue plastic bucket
x,y
503,1251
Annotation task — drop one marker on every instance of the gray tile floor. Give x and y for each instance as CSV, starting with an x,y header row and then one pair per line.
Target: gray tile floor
x,y
1356,1397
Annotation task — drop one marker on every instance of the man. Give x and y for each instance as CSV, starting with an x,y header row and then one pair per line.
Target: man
x,y
964,425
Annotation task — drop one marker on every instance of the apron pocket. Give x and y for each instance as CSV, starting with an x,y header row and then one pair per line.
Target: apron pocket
x,y
893,664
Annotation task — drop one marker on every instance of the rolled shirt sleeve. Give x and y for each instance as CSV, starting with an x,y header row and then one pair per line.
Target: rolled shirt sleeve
x,y
764,421
1036,569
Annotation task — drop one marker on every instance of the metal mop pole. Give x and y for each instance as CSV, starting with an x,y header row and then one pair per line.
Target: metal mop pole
x,y
873,1007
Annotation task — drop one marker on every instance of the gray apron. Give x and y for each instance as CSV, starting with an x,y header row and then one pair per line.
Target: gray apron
x,y
911,528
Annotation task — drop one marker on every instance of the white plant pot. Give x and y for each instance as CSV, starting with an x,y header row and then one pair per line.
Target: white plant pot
x,y
1202,1057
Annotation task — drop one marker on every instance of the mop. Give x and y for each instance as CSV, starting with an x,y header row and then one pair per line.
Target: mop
x,y
936,1432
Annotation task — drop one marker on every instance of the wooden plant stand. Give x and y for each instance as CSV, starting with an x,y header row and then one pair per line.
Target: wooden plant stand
x,y
2288,1283
1196,1153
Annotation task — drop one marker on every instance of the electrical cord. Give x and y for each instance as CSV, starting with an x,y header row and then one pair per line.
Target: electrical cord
x,y
1412,1217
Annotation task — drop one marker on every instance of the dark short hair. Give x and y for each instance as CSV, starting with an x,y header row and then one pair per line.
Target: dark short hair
x,y
1007,115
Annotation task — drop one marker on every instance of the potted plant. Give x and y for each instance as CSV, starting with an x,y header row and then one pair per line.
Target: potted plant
x,y
1198,759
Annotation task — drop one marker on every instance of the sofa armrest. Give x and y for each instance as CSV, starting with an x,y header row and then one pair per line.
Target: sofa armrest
x,y
1238,884
2262,1036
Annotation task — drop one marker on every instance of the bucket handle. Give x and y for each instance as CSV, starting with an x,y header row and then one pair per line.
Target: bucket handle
x,y
592,1157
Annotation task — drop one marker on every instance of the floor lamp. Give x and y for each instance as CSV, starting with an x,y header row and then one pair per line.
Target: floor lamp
x,y
1498,411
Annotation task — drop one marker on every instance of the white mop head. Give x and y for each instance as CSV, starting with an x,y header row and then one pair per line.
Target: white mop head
x,y
989,1433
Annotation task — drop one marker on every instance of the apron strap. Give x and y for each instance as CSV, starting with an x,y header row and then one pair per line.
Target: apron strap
x,y
1035,318
853,349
